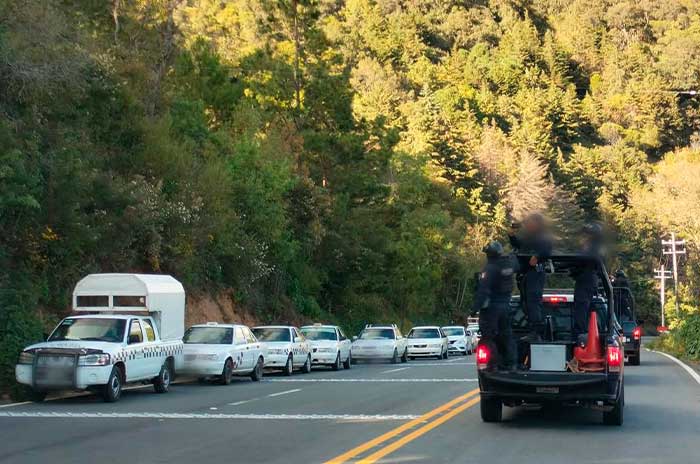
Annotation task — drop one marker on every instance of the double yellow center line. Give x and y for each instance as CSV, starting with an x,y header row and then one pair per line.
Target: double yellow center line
x,y
450,409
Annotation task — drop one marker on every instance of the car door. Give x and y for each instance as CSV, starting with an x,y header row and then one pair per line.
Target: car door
x,y
241,350
136,361
153,356
344,344
300,348
253,345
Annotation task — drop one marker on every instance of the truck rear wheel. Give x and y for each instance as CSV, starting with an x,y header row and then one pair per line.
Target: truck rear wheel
x,y
112,390
491,410
161,384
616,415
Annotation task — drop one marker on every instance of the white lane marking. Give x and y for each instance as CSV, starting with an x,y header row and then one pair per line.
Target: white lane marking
x,y
284,393
687,368
371,380
238,403
14,404
395,370
155,415
443,364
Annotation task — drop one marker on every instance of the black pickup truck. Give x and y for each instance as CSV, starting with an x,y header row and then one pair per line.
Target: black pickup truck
x,y
631,326
547,371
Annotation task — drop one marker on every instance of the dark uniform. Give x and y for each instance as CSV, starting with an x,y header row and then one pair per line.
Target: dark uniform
x,y
493,303
540,246
586,279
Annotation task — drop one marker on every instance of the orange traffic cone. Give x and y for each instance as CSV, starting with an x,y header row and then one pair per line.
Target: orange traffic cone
x,y
590,358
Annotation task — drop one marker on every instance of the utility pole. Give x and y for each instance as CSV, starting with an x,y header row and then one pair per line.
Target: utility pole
x,y
662,274
676,247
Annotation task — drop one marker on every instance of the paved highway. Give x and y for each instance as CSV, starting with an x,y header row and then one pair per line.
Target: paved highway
x,y
423,411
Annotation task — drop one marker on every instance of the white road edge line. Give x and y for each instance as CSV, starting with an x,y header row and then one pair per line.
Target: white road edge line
x,y
394,370
687,368
145,415
272,395
370,380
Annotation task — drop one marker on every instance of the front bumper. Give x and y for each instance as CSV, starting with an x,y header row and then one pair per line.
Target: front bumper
x,y
83,377
542,387
384,353
276,360
425,351
323,358
457,348
201,367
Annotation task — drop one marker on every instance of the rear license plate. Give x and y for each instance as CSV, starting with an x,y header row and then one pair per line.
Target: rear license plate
x,y
547,390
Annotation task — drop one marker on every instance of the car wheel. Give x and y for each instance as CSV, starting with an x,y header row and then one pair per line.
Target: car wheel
x,y
112,390
336,364
227,373
616,415
446,354
257,373
347,364
306,368
35,396
635,360
491,410
395,357
289,367
404,356
162,383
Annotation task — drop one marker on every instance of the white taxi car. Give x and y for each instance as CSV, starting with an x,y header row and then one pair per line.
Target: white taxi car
x,y
460,339
380,342
476,332
427,341
285,347
222,351
329,346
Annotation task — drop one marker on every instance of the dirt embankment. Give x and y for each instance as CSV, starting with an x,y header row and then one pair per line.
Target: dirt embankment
x,y
220,307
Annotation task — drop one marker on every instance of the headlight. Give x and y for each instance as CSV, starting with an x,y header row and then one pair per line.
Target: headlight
x,y
326,350
94,360
26,357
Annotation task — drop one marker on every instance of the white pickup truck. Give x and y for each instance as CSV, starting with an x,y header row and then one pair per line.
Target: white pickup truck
x,y
128,329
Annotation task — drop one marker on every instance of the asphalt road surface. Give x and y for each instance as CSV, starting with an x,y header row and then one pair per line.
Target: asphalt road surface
x,y
423,411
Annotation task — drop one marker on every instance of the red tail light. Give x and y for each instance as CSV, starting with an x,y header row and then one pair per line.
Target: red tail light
x,y
483,355
614,359
637,334
554,299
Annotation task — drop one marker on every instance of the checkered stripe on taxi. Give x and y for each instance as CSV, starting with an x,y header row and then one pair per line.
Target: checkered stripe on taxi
x,y
148,352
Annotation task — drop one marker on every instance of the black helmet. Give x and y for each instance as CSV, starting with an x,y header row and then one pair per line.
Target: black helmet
x,y
493,249
620,274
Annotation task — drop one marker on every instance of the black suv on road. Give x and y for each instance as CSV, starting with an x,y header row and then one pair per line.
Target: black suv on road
x,y
551,376
631,326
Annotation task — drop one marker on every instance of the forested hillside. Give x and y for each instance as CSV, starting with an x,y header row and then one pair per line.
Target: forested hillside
x,y
335,160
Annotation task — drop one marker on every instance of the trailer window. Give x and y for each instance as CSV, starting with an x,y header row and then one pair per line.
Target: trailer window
x,y
129,301
92,301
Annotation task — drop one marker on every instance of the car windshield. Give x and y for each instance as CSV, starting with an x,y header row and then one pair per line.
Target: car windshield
x,y
424,333
450,331
209,336
377,334
269,334
90,329
326,333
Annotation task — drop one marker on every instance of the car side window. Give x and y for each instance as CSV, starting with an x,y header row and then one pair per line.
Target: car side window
x,y
250,338
135,333
238,337
148,328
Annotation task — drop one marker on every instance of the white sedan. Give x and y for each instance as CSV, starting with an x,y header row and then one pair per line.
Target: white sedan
x,y
427,341
379,342
222,351
286,348
329,346
460,339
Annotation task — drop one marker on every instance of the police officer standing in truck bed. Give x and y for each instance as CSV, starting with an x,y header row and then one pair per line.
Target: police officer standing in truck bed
x,y
533,240
492,301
